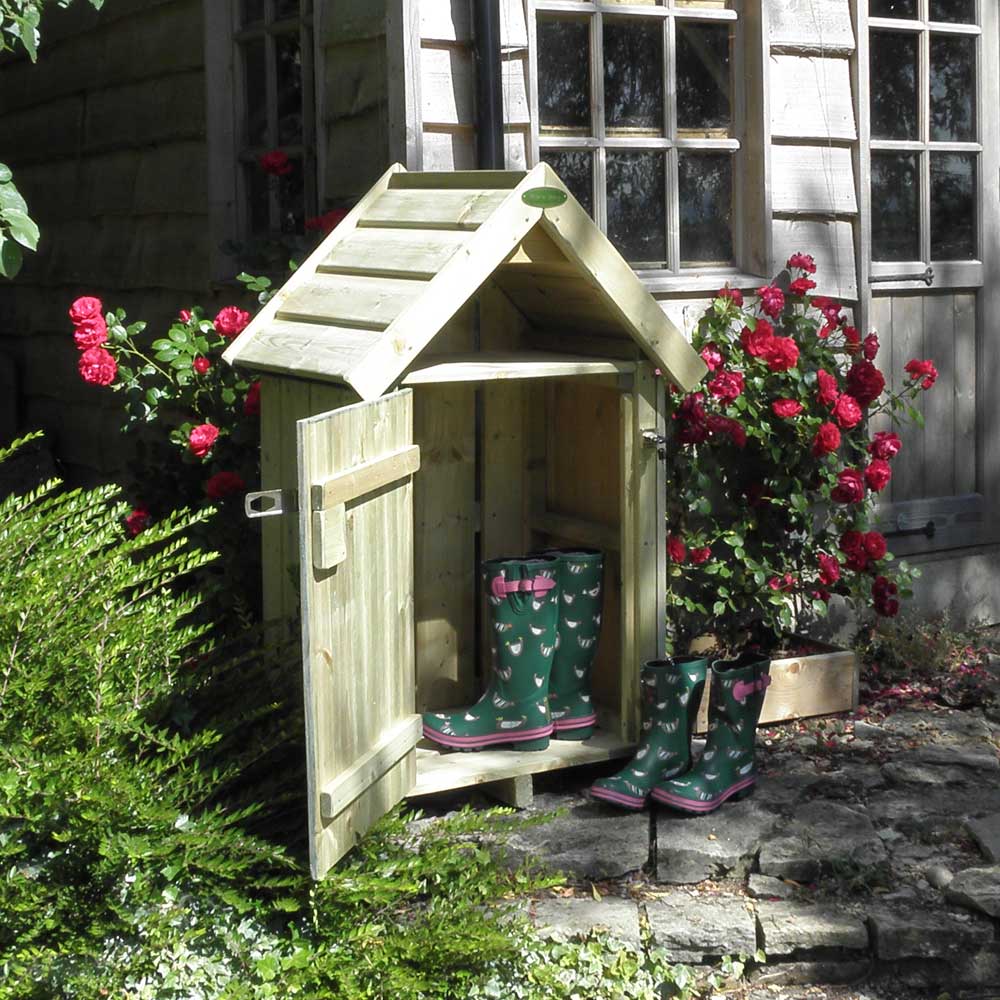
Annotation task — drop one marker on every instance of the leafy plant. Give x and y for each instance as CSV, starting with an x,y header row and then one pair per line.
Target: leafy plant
x,y
771,475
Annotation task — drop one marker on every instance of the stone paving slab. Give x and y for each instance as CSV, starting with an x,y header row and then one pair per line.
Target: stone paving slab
x,y
572,917
723,844
788,928
985,831
978,889
768,887
913,934
699,929
822,834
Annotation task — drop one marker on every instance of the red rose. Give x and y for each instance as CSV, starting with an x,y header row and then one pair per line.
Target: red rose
x,y
231,320
865,382
783,583
827,389
852,339
730,293
821,595
885,445
829,569
852,544
275,163
184,315
830,308
772,300
875,547
91,332
846,412
850,487
202,438
726,386
733,429
138,520
870,347
800,286
676,549
756,341
85,307
97,366
781,354
251,404
712,356
326,222
201,365
802,261
826,441
883,597
786,408
877,475
222,484
921,370
699,556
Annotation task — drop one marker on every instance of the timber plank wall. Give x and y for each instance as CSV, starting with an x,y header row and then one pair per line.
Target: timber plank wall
x,y
106,137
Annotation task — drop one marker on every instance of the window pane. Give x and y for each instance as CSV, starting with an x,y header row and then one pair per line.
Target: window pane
x,y
251,11
705,190
895,217
953,206
633,74
564,74
255,76
636,207
703,80
289,66
893,8
953,88
576,171
953,11
286,8
291,200
894,95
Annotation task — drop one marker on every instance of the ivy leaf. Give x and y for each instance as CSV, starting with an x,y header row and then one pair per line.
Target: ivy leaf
x,y
5,173
228,396
10,198
11,257
21,227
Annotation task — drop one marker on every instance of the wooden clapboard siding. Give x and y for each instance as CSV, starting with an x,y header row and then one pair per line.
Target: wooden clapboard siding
x,y
812,180
812,26
940,459
811,98
830,242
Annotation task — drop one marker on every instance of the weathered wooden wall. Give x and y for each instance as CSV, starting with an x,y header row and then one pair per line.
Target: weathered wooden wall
x,y
106,137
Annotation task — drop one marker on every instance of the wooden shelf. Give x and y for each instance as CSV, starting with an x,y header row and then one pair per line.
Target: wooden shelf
x,y
439,771
527,364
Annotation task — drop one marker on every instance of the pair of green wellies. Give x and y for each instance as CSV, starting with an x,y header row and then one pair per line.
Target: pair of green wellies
x,y
544,621
662,768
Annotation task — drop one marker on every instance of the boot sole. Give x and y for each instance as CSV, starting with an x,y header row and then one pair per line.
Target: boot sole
x,y
692,806
617,798
575,729
536,739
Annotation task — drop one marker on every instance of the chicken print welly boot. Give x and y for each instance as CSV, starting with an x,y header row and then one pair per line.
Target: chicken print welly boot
x,y
522,611
726,767
581,573
671,694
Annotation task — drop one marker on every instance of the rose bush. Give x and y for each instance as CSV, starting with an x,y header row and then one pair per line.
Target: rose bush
x,y
771,473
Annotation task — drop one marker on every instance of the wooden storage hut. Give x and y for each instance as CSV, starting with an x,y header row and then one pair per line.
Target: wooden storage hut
x,y
454,375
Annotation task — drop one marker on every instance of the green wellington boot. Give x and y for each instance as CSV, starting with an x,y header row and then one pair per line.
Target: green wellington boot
x,y
671,694
726,768
522,603
581,573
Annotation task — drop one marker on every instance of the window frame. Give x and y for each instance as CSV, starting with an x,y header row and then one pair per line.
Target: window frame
x,y
947,273
748,143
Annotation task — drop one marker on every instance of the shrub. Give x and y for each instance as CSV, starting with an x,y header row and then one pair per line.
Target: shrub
x,y
771,476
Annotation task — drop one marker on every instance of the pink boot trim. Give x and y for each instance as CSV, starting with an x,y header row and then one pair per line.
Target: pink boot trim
x,y
491,739
616,798
579,723
697,806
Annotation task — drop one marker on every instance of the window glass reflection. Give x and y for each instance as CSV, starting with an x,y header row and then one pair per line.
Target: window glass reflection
x,y
636,208
894,95
705,190
564,74
895,215
633,74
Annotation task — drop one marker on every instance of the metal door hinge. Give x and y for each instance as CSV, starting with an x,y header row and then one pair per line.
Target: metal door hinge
x,y
270,503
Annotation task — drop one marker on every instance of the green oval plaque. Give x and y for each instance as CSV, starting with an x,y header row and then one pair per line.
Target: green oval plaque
x,y
544,197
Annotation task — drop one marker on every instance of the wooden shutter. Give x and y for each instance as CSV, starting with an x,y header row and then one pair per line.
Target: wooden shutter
x,y
356,556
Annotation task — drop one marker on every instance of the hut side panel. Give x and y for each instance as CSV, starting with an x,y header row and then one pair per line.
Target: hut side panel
x,y
101,172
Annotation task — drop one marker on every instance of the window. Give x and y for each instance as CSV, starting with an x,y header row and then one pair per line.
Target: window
x,y
637,114
274,77
925,136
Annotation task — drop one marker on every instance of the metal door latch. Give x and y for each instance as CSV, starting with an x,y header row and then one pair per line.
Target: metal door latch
x,y
653,440
270,503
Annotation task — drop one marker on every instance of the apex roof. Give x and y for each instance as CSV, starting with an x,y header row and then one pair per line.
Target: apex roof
x,y
417,247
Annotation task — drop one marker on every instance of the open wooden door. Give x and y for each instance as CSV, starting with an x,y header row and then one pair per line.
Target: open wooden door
x,y
356,554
